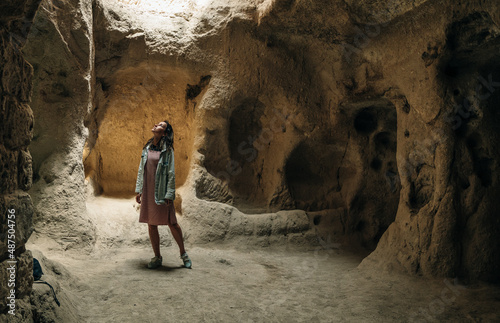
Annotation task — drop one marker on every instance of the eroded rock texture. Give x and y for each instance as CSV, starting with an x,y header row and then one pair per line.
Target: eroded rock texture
x,y
361,121
448,156
16,132
60,48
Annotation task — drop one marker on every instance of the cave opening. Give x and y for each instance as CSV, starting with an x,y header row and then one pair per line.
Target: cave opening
x,y
129,103
350,180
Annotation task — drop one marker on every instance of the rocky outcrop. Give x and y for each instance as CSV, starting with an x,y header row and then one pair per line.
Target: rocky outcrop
x,y
16,132
61,98
446,155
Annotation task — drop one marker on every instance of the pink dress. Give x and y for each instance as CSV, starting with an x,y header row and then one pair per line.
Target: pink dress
x,y
151,212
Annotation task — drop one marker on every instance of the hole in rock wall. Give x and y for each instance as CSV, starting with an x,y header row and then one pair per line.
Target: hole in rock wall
x,y
312,176
345,173
351,171
258,141
129,103
365,121
248,157
244,126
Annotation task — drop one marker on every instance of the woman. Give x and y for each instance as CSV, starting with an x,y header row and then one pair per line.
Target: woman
x,y
155,188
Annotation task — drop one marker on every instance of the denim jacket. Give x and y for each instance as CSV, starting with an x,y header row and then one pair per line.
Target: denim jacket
x,y
164,177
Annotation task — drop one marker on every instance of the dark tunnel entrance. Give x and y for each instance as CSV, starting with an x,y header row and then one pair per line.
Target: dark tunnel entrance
x,y
349,177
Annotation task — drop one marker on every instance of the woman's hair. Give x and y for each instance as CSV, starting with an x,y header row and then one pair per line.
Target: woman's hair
x,y
168,137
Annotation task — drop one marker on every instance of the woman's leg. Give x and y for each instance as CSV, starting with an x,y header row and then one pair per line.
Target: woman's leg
x,y
177,233
154,236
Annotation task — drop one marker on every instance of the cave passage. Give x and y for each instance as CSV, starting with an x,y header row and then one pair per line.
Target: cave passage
x,y
131,102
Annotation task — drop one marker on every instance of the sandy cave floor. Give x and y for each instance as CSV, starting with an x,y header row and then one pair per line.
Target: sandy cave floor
x,y
242,283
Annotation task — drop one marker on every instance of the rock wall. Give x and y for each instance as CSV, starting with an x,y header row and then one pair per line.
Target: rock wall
x,y
375,120
16,132
254,127
60,47
445,225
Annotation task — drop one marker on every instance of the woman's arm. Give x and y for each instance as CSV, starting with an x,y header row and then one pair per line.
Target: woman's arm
x,y
140,175
170,193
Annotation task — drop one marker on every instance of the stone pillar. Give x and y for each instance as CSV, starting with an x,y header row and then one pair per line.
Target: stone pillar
x,y
16,132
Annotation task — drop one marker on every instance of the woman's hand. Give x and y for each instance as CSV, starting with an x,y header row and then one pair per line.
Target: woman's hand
x,y
138,198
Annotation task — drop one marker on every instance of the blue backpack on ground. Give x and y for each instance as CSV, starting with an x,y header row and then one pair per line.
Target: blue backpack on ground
x,y
37,274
